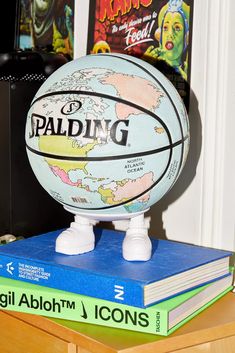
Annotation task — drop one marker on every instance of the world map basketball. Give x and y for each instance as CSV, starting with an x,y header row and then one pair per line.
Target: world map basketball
x,y
107,134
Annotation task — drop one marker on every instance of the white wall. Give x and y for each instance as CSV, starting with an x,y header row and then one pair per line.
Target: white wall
x,y
200,207
204,212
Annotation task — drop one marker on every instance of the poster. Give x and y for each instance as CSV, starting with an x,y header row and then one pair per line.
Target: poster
x,y
47,25
158,31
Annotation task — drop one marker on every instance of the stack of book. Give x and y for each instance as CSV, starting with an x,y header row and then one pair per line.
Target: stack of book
x,y
100,287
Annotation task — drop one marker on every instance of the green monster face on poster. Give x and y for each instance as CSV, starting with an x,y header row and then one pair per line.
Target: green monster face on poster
x,y
172,35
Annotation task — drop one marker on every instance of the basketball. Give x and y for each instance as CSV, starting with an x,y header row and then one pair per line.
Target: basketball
x,y
107,135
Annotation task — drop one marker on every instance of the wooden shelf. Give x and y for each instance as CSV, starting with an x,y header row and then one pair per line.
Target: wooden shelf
x,y
212,331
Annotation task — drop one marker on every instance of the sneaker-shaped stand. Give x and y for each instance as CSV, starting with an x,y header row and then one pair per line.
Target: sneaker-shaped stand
x,y
79,238
137,245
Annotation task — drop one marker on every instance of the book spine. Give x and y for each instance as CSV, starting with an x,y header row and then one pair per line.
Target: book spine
x,y
69,306
75,281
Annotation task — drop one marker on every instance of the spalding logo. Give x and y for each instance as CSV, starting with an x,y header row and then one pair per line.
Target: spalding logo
x,y
71,107
90,129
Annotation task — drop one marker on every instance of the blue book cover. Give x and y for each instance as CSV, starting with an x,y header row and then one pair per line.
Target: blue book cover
x,y
103,273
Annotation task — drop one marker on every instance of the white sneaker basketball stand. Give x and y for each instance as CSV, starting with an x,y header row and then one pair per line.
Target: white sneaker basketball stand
x,y
80,238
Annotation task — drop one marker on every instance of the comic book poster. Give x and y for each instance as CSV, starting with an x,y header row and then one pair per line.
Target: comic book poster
x,y
158,31
47,25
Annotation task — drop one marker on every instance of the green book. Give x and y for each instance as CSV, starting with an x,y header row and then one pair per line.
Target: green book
x,y
162,318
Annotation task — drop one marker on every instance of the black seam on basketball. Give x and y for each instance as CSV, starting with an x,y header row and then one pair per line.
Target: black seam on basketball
x,y
137,196
107,96
133,198
104,158
118,99
168,95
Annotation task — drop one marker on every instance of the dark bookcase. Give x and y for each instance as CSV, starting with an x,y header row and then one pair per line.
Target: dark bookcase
x,y
25,207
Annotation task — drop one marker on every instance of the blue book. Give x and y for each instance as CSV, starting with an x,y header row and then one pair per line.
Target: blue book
x,y
103,273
